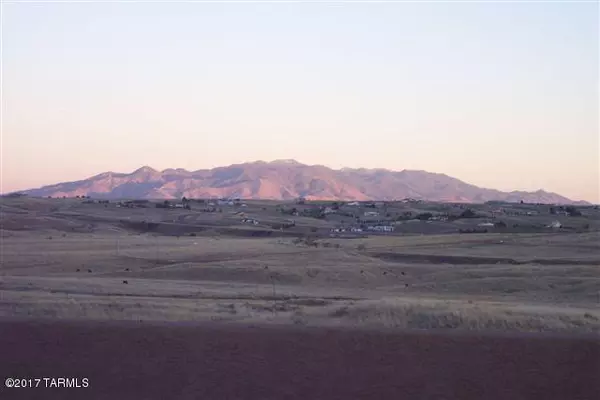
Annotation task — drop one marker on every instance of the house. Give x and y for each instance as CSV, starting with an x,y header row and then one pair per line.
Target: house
x,y
328,210
486,224
249,221
354,204
371,214
555,225
438,218
381,228
411,200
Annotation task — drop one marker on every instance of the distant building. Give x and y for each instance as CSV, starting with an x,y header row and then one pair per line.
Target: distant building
x,y
381,228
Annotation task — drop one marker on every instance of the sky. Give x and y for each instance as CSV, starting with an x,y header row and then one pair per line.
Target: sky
x,y
502,95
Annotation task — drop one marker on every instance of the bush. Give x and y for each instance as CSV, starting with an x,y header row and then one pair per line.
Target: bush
x,y
424,216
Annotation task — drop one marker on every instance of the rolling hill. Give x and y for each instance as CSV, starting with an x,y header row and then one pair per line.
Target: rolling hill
x,y
288,179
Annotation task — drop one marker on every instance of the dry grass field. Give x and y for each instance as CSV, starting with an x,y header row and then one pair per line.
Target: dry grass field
x,y
64,259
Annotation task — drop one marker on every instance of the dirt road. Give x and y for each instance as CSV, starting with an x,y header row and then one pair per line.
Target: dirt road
x,y
220,362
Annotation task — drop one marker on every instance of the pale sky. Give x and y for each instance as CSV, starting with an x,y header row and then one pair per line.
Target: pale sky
x,y
500,95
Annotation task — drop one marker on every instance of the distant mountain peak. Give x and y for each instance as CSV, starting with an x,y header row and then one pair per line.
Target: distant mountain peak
x,y
288,161
145,169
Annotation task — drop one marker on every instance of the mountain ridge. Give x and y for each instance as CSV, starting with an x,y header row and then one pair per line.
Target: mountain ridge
x,y
285,179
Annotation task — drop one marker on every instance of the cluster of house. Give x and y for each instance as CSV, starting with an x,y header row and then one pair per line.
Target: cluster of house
x,y
368,204
515,213
226,202
369,228
132,203
344,230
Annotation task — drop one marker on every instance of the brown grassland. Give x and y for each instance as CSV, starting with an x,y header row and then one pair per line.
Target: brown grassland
x,y
65,259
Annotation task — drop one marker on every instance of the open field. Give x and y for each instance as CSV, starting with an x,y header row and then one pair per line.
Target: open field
x,y
63,258
158,303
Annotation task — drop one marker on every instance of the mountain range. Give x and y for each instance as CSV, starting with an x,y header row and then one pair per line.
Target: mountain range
x,y
288,179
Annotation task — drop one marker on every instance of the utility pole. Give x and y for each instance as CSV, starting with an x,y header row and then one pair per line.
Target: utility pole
x,y
157,249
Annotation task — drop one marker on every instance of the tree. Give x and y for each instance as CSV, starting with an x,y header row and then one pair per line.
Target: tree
x,y
468,213
573,212
424,216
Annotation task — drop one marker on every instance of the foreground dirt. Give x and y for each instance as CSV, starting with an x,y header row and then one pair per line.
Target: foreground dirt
x,y
222,361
